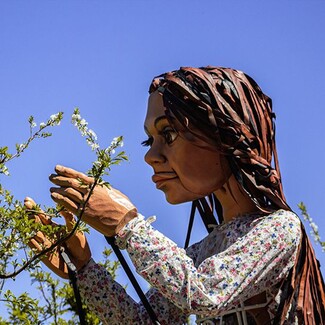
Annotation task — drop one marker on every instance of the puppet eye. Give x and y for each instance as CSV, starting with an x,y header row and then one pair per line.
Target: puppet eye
x,y
169,134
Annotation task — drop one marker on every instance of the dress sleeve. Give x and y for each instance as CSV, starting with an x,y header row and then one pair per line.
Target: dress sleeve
x,y
113,306
261,258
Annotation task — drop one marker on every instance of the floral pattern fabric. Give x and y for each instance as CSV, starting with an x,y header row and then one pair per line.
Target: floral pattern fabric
x,y
237,260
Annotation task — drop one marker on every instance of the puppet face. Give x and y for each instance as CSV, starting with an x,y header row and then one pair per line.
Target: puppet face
x,y
184,169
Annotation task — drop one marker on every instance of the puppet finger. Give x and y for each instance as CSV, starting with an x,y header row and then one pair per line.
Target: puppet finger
x,y
69,172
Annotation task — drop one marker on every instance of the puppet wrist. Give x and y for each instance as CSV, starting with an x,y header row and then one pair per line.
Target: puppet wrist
x,y
134,226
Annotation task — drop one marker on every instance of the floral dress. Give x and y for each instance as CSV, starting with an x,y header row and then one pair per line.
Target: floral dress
x,y
212,279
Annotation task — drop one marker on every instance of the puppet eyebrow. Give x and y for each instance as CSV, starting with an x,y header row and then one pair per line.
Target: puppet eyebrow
x,y
160,118
157,120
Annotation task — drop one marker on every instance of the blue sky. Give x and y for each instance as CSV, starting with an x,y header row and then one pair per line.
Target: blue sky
x,y
100,56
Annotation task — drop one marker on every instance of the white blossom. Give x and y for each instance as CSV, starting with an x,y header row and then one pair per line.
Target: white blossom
x,y
94,146
83,122
75,117
314,226
92,134
22,146
5,170
83,130
53,117
117,141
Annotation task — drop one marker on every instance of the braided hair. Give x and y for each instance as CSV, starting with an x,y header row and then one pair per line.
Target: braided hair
x,y
231,112
229,108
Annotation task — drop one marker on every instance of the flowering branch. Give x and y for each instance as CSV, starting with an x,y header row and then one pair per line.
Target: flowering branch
x,y
14,216
105,157
5,156
314,228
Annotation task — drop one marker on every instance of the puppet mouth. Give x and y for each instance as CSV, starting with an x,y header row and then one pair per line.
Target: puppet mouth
x,y
160,178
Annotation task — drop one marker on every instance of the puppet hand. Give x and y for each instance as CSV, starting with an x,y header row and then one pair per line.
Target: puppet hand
x,y
76,246
107,210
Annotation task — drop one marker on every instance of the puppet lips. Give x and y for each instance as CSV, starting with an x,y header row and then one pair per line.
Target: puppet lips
x,y
161,177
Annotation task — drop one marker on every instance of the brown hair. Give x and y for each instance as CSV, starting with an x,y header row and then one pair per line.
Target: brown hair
x,y
231,111
228,107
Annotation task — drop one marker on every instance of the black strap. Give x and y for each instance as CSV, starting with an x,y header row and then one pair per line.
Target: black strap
x,y
190,224
72,271
206,213
145,302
